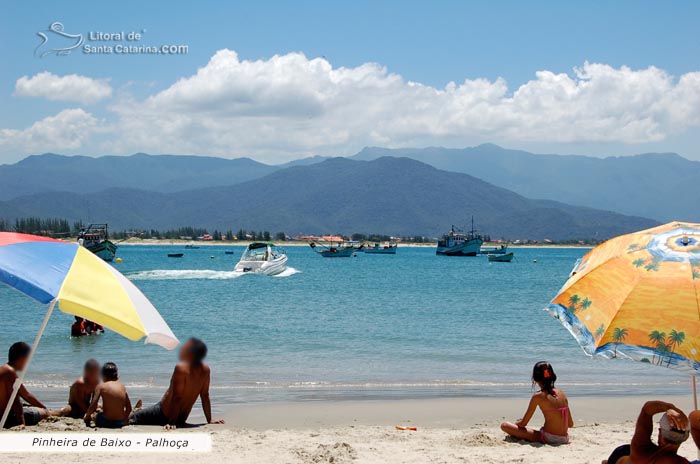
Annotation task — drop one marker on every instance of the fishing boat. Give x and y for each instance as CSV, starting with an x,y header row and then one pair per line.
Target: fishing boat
x,y
336,249
455,243
262,258
378,249
175,255
95,238
502,258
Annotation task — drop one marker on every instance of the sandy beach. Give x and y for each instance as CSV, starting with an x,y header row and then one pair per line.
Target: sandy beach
x,y
462,430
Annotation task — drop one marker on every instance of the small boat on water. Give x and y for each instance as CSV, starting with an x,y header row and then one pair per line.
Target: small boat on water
x,y
175,255
95,238
500,250
262,258
501,258
228,252
339,250
379,249
193,247
456,243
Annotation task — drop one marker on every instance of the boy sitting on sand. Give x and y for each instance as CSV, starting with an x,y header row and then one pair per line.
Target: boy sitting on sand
x,y
19,415
116,406
81,391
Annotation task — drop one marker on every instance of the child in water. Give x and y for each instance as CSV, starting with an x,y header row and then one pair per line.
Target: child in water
x,y
554,406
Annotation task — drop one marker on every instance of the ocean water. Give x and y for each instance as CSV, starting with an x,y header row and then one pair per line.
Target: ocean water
x,y
410,325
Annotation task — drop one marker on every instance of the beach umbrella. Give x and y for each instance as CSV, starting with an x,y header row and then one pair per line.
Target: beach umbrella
x,y
637,296
54,272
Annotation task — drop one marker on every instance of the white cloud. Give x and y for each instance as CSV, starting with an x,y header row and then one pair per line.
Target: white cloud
x,y
67,131
71,87
289,105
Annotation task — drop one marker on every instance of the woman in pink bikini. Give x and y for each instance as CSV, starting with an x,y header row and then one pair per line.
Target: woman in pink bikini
x,y
554,406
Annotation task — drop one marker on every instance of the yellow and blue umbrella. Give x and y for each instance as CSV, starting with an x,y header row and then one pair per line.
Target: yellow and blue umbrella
x,y
59,273
637,296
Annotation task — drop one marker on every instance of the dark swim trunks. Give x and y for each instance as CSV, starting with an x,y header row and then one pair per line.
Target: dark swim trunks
x,y
102,422
32,416
152,415
620,452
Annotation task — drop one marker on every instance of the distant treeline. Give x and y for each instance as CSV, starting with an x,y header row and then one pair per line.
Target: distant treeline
x,y
53,227
59,227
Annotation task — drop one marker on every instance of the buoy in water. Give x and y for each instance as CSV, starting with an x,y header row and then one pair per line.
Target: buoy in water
x,y
211,257
534,260
118,260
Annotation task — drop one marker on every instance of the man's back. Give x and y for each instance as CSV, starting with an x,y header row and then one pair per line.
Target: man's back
x,y
185,387
7,382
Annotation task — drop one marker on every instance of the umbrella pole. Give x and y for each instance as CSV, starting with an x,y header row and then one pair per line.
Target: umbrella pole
x,y
20,379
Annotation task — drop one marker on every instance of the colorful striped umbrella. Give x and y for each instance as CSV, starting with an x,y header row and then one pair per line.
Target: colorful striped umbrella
x,y
56,272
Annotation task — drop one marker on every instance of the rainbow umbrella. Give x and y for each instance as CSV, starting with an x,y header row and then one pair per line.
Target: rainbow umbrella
x,y
55,272
637,296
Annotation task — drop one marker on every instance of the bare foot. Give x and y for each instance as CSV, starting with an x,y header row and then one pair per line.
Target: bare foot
x,y
139,404
170,427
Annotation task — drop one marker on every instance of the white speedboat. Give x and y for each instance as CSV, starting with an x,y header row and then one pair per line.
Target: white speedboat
x,y
262,258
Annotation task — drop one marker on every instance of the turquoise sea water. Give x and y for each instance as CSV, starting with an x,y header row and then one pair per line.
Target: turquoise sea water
x,y
409,325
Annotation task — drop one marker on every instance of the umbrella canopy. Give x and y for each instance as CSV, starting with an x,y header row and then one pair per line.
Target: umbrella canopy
x,y
638,296
81,284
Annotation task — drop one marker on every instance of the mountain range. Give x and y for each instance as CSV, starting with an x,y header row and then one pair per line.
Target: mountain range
x,y
661,186
656,185
389,195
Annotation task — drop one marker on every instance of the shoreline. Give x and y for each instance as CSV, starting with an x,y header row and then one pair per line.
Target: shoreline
x,y
245,243
458,430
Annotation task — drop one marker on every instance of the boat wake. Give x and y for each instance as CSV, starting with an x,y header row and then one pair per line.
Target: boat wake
x,y
201,274
290,271
185,274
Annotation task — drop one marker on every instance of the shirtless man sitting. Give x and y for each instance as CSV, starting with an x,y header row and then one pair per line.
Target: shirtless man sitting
x,y
189,381
673,431
19,415
80,395
116,405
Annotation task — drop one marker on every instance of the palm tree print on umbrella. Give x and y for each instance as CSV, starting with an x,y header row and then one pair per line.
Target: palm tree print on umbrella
x,y
618,337
675,339
577,304
652,265
600,331
659,339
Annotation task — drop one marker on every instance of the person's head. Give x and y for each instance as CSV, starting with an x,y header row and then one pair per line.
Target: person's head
x,y
543,375
669,436
18,355
110,372
193,351
91,372
78,319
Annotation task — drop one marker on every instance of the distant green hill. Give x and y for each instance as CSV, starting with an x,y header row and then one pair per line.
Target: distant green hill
x,y
662,186
397,196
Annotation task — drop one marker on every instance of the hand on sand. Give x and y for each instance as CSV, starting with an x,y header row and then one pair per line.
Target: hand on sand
x,y
218,421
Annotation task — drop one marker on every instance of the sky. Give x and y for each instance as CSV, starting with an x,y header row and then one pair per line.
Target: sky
x,y
278,81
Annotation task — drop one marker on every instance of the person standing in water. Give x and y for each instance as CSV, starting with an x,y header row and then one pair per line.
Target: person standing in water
x,y
554,406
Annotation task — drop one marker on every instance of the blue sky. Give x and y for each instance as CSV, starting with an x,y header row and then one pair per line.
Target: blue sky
x,y
503,43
